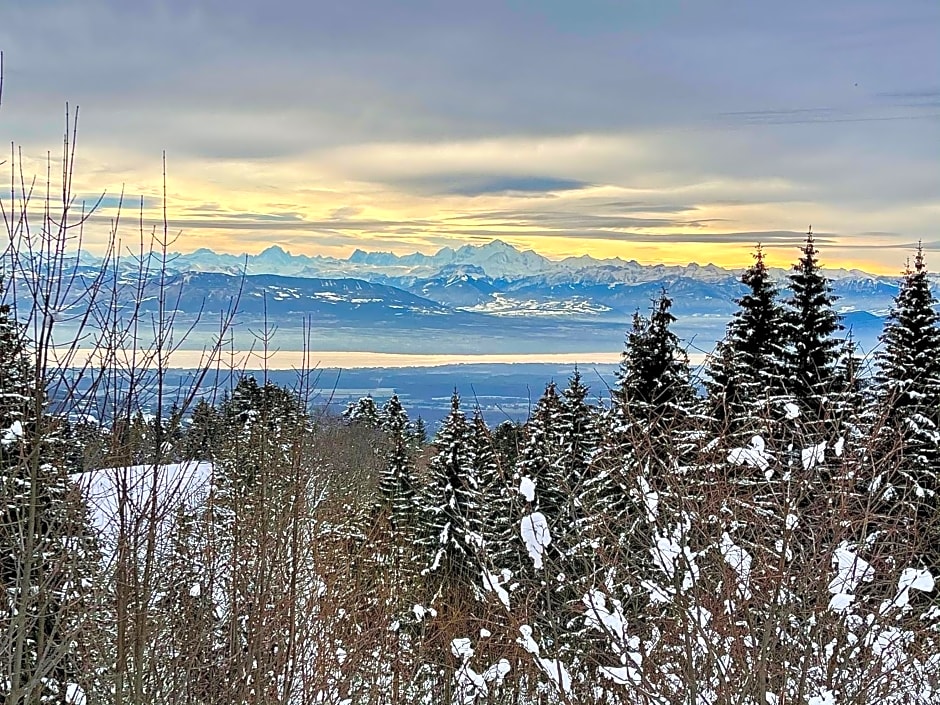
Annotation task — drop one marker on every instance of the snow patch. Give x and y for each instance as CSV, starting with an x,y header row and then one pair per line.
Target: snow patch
x,y
814,455
825,697
462,648
740,561
12,434
913,579
754,455
850,571
527,489
74,695
839,447
536,536
650,499
494,583
132,490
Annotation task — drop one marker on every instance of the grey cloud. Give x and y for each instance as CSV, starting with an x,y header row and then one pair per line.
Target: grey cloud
x,y
256,222
392,69
642,207
345,212
512,184
570,219
916,98
835,98
461,184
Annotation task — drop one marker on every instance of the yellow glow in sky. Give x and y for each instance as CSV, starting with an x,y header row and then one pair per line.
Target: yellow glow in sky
x,y
411,197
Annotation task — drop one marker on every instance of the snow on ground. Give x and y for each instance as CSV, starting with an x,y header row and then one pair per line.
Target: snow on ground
x,y
139,492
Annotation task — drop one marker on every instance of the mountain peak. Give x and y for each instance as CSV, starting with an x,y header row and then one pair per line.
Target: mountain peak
x,y
498,244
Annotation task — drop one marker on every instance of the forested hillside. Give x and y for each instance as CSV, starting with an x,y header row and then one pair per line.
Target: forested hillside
x,y
764,535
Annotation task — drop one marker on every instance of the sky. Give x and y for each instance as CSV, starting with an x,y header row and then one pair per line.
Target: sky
x,y
653,130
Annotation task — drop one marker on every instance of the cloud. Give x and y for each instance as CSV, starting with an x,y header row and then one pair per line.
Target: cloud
x,y
461,185
914,98
112,201
593,119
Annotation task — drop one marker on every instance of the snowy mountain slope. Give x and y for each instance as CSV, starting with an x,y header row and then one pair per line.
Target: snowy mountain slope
x,y
281,296
282,299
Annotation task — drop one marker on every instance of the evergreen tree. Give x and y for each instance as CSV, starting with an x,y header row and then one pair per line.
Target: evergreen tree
x,y
449,504
541,458
746,370
419,434
396,485
849,399
654,389
48,555
363,412
578,435
499,491
654,370
492,480
260,484
548,481
201,439
508,437
812,322
260,423
907,387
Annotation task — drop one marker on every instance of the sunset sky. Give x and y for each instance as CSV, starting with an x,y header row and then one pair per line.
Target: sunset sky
x,y
652,130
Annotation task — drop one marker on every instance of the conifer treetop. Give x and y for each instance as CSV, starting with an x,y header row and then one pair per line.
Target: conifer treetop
x,y
812,322
909,358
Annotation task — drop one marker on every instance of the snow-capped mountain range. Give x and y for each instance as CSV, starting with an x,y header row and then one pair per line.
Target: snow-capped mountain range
x,y
490,297
496,278
495,260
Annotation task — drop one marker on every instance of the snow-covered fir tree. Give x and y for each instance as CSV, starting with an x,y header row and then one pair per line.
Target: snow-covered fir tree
x,y
849,398
541,459
746,370
578,434
449,504
363,412
493,483
813,350
396,485
260,486
907,389
536,483
654,380
258,422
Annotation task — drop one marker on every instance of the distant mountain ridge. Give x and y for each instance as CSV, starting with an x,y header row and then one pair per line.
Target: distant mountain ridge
x,y
500,279
496,260
488,298
476,284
